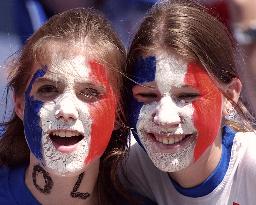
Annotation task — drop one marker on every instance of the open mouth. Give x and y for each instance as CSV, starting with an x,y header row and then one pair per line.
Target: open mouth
x,y
65,137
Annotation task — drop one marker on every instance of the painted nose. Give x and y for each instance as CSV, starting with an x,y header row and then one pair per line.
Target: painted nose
x,y
66,109
167,113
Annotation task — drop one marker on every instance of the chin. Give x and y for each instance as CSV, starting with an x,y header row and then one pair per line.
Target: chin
x,y
169,161
65,165
173,165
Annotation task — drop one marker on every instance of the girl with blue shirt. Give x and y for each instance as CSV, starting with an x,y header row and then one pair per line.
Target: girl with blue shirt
x,y
60,147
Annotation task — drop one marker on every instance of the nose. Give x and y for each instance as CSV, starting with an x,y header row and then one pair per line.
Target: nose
x,y
66,109
167,113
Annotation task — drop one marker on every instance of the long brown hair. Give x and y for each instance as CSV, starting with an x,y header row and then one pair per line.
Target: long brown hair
x,y
186,28
73,26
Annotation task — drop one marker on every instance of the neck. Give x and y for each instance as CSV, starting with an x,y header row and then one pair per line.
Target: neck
x,y
50,189
200,170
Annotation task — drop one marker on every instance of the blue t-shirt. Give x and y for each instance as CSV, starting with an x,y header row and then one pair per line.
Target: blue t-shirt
x,y
13,190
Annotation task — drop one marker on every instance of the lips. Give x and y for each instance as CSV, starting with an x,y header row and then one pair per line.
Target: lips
x,y
65,140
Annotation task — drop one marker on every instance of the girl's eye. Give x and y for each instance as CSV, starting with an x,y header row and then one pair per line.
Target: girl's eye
x,y
90,94
47,91
146,97
187,97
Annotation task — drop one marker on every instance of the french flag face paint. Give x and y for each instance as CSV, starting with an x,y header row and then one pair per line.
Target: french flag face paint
x,y
69,114
172,115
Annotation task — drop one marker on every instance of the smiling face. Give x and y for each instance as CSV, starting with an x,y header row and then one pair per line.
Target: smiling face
x,y
177,112
69,112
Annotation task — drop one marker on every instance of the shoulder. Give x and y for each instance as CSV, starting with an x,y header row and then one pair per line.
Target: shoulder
x,y
13,190
142,176
5,193
246,141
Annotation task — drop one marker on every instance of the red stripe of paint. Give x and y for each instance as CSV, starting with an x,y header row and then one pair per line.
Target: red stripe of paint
x,y
207,108
234,203
102,113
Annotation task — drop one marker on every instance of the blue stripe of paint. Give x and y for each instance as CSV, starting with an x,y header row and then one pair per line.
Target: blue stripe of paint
x,y
219,173
144,71
133,115
33,130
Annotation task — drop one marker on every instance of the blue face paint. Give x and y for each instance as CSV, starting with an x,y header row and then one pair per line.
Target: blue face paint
x,y
144,71
33,131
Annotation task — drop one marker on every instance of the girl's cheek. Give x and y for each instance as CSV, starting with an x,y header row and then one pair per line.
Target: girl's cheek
x,y
102,114
207,120
208,108
103,119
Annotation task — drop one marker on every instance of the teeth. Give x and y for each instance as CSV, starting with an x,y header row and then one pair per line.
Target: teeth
x,y
169,140
165,141
67,133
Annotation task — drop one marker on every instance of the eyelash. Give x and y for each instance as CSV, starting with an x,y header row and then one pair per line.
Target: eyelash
x,y
147,95
187,96
47,89
90,94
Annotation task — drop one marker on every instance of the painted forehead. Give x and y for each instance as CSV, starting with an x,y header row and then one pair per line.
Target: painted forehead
x,y
168,71
77,68
73,66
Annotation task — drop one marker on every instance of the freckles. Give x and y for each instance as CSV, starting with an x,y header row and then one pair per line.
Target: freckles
x,y
102,114
206,107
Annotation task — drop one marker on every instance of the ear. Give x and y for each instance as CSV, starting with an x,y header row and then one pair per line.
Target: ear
x,y
19,106
233,90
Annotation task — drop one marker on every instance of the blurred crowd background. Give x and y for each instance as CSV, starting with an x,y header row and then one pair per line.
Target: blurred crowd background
x,y
20,18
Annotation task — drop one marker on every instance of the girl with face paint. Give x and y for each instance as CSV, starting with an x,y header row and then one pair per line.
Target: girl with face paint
x,y
59,147
184,82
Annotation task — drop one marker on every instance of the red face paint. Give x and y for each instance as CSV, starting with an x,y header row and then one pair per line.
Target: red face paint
x,y
102,113
208,107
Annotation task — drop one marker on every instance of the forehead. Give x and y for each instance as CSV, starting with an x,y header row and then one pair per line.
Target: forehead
x,y
73,67
69,61
169,71
156,66
162,68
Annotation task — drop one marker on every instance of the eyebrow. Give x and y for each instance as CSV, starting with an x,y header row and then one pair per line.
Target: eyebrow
x,y
148,85
60,79
186,86
189,87
45,79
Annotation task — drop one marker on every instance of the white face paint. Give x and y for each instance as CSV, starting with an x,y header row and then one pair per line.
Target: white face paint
x,y
165,122
64,114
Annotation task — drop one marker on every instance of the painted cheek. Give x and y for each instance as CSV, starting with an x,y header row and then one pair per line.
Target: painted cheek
x,y
32,128
144,70
208,108
102,113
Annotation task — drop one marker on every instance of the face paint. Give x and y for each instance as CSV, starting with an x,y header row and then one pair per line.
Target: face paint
x,y
31,118
208,105
61,114
144,71
102,113
167,127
